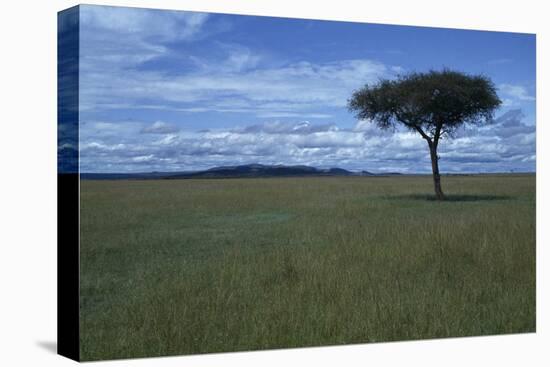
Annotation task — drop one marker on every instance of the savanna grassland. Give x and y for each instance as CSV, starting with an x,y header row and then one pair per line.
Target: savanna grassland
x,y
214,265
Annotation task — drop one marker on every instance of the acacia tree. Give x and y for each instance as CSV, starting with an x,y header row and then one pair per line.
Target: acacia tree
x,y
434,104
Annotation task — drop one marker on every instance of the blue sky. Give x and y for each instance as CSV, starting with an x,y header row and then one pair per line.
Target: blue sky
x,y
173,91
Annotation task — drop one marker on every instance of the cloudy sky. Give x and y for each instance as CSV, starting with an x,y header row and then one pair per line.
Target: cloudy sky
x,y
175,91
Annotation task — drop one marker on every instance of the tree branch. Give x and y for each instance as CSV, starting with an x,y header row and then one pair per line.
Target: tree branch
x,y
424,135
437,134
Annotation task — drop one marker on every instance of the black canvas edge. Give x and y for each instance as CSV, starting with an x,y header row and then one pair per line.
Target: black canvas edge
x,y
68,184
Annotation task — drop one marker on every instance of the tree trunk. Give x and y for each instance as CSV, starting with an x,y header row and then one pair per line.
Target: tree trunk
x,y
435,171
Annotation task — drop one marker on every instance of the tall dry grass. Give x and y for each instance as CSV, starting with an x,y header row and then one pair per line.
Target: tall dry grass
x,y
198,266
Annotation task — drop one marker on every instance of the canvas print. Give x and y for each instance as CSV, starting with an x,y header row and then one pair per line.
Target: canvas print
x,y
236,183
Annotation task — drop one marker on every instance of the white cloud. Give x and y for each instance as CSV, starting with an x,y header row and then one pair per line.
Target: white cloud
x,y
293,87
507,144
118,42
156,24
239,58
160,127
143,158
116,39
277,127
293,114
514,94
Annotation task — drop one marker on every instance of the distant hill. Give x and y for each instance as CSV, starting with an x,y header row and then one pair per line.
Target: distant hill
x,y
260,170
247,170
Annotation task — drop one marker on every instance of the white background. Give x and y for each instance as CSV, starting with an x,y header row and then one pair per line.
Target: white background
x,y
28,182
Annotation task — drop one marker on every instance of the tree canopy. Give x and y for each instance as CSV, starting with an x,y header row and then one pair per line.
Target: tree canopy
x,y
434,104
427,102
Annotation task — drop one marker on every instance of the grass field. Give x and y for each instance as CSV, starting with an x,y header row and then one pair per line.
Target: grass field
x,y
197,266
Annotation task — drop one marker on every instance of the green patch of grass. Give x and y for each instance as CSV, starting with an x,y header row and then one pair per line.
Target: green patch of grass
x,y
199,266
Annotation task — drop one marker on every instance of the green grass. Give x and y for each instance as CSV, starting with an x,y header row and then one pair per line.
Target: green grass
x,y
198,266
